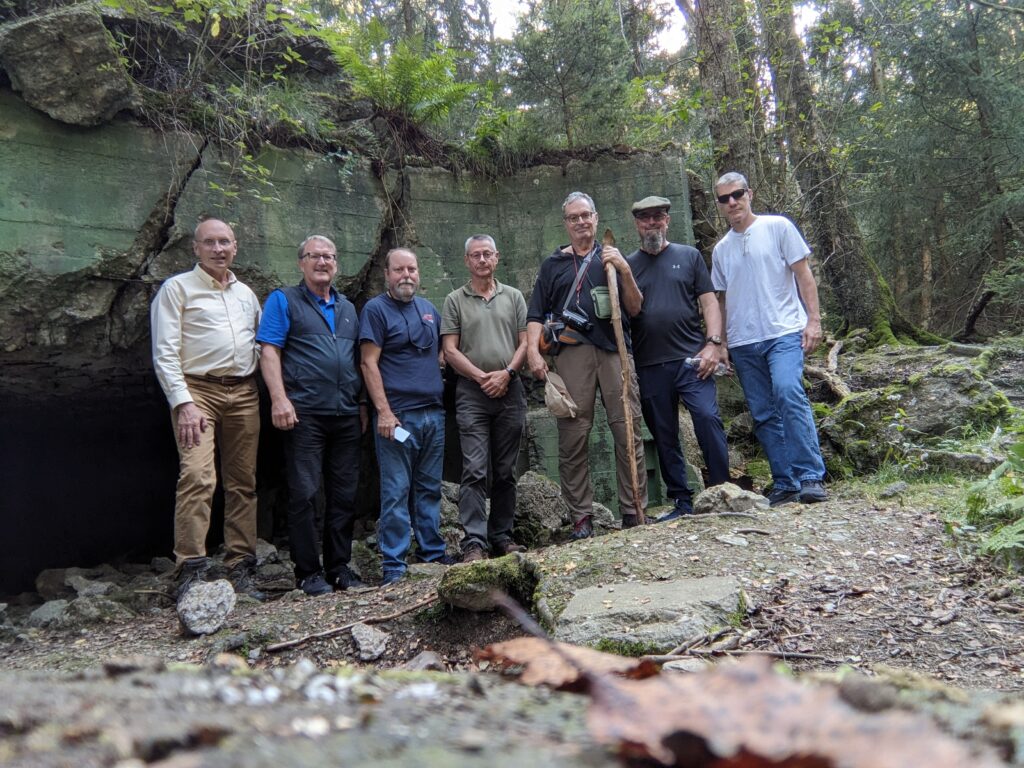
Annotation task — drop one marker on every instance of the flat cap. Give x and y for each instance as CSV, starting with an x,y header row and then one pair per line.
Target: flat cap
x,y
651,203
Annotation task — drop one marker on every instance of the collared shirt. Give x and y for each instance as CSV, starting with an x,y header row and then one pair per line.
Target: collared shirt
x,y
488,328
202,328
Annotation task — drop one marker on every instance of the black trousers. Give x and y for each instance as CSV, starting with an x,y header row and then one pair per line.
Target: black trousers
x,y
322,448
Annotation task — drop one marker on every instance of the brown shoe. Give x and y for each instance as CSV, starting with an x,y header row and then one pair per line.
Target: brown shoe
x,y
473,553
507,547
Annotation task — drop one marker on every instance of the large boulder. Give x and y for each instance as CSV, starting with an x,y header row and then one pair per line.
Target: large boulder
x,y
65,63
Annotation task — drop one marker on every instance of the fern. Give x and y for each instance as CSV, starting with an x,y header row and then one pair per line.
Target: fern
x,y
997,503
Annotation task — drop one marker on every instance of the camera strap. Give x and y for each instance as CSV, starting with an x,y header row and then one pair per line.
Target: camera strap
x,y
580,273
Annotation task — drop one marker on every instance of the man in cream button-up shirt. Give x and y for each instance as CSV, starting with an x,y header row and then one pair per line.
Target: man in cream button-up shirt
x,y
204,352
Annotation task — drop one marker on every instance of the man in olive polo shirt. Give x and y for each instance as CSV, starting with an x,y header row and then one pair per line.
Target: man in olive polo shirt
x,y
483,332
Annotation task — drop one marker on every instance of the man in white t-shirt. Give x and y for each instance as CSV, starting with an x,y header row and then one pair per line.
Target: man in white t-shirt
x,y
770,304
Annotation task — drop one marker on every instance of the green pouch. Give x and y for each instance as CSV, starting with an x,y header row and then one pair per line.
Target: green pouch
x,y
602,301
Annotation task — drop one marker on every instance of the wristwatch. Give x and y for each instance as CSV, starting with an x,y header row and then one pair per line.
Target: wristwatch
x,y
716,340
511,374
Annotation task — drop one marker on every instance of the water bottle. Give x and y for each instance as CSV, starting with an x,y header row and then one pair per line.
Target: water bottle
x,y
721,370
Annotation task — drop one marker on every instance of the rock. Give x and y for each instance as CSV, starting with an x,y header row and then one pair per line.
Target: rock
x,y
203,609
728,497
88,588
266,553
93,608
469,586
604,520
161,565
49,614
427,569
657,616
540,511
685,665
126,665
275,577
370,641
867,695
733,540
66,64
894,489
425,660
50,584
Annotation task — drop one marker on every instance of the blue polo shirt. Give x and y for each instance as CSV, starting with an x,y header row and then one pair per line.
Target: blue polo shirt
x,y
407,334
276,322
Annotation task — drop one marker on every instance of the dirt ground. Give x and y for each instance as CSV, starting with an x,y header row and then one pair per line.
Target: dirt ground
x,y
859,581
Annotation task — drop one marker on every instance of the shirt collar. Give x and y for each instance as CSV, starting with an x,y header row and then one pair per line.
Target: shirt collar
x,y
211,281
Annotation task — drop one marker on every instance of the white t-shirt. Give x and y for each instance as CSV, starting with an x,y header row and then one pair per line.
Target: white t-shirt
x,y
753,268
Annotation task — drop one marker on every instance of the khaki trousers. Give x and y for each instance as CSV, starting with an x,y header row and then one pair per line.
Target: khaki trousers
x,y
585,368
232,428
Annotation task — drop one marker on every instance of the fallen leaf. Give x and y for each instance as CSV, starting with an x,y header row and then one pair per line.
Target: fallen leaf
x,y
543,665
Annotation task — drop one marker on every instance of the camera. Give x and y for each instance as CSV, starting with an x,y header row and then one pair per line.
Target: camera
x,y
577,320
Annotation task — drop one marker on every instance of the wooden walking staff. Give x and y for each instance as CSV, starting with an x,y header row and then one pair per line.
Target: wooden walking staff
x,y
620,342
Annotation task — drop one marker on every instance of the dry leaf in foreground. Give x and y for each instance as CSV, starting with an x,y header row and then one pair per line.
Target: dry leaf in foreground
x,y
746,716
544,666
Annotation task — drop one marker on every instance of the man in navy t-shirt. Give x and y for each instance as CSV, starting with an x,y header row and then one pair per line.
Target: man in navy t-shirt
x,y
401,362
667,331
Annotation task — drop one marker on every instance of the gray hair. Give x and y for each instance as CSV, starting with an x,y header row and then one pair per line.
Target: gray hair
x,y
574,196
321,238
732,177
387,258
479,238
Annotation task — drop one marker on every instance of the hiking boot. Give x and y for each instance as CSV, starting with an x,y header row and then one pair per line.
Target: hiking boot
x,y
682,508
584,529
346,579
391,577
192,572
447,559
630,521
315,585
242,577
813,492
780,496
474,553
506,547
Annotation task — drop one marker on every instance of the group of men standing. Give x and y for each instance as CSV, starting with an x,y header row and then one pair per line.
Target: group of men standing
x,y
324,366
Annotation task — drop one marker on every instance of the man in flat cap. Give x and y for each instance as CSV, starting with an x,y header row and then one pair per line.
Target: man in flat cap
x,y
677,291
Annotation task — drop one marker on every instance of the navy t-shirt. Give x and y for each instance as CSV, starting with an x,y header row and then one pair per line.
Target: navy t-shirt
x,y
407,334
554,281
669,325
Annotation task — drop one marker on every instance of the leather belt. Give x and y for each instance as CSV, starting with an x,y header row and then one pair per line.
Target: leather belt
x,y
224,381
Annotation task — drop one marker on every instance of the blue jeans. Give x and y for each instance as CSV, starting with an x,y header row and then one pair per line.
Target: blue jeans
x,y
771,374
410,489
661,387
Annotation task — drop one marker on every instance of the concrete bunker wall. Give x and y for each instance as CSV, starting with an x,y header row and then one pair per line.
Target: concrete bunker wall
x,y
92,220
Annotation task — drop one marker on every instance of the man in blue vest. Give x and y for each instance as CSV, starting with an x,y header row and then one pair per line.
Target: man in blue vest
x,y
310,363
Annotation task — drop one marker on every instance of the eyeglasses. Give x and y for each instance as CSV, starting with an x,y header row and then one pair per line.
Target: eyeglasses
x,y
736,194
656,216
578,217
330,258
210,242
482,254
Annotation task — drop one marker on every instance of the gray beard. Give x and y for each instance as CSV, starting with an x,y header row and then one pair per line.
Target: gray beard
x,y
652,242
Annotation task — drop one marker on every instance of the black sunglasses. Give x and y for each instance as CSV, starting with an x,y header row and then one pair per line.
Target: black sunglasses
x,y
735,195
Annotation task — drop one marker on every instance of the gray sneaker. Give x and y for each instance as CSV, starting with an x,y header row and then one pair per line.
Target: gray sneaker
x,y
813,492
243,578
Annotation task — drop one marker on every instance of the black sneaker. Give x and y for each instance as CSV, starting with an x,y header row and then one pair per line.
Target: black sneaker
x,y
315,585
584,529
780,496
682,508
813,492
346,579
242,577
192,572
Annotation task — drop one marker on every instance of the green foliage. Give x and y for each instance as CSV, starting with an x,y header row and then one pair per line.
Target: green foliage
x,y
405,83
996,506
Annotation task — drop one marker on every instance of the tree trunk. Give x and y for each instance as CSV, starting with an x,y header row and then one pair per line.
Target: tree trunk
x,y
856,284
719,67
926,285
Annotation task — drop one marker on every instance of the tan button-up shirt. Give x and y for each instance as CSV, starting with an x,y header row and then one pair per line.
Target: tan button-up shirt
x,y
202,328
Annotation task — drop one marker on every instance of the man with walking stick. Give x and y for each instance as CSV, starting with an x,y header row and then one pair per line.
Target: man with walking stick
x,y
572,288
